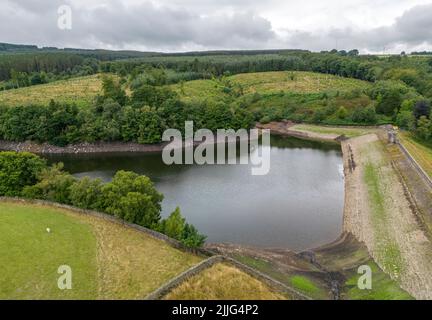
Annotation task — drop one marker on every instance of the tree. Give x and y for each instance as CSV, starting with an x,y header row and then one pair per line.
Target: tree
x,y
424,128
149,126
405,119
138,208
112,90
353,53
86,193
132,197
54,185
342,113
422,108
18,170
174,225
364,115
191,237
389,102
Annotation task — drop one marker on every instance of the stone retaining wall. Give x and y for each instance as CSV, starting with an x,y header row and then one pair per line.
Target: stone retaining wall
x,y
195,270
178,280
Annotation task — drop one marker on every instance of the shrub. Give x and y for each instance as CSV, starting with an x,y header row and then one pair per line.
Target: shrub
x,y
18,170
174,225
191,237
132,197
86,193
342,113
53,185
364,115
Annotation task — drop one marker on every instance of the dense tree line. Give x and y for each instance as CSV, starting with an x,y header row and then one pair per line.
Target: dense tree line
x,y
28,63
400,84
141,118
43,73
128,196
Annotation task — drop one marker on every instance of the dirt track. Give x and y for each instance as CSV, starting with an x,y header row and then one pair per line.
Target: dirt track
x,y
391,230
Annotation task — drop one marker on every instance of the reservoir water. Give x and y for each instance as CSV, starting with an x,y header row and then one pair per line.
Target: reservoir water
x,y
297,205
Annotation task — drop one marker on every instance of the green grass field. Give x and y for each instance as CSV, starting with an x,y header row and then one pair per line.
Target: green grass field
x,y
31,256
80,91
421,152
108,260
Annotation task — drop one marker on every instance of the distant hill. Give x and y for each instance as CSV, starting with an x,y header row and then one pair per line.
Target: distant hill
x,y
124,54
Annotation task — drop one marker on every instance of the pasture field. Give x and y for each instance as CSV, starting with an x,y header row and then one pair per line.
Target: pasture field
x,y
108,260
81,91
223,282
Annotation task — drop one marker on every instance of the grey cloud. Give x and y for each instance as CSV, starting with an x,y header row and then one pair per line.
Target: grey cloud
x,y
412,28
164,27
144,25
172,26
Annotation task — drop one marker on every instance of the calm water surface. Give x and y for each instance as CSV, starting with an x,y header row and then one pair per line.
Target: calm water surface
x,y
298,205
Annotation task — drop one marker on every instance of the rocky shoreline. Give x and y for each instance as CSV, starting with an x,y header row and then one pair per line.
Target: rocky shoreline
x,y
85,147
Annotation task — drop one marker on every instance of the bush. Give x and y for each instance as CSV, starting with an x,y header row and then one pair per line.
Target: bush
x,y
174,225
53,185
191,237
18,170
342,113
86,193
422,108
364,115
424,128
405,119
132,197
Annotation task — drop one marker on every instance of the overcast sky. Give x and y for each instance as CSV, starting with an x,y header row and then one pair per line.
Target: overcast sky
x,y
185,25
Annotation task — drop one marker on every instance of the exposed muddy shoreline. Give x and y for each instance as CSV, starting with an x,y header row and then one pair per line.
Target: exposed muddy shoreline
x,y
94,147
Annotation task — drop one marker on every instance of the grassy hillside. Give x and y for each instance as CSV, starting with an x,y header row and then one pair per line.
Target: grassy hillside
x,y
268,83
108,260
81,91
296,81
223,282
